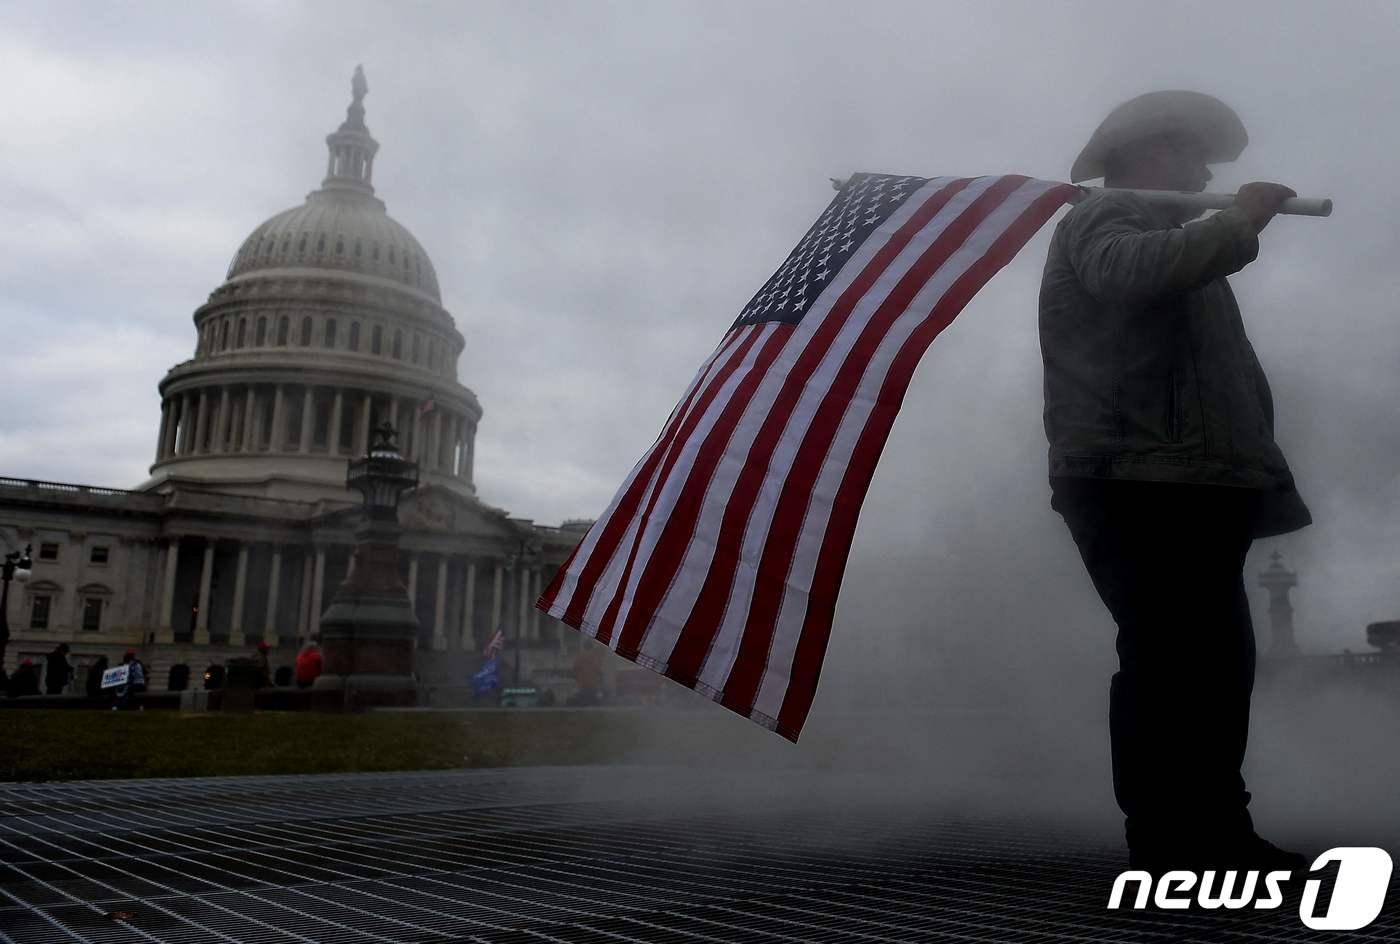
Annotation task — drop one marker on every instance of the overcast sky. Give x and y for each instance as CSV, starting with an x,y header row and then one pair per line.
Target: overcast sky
x,y
602,186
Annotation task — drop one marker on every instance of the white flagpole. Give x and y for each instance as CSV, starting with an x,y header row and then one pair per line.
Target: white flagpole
x,y
1294,206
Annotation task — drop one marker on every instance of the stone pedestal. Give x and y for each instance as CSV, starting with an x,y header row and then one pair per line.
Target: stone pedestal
x,y
369,633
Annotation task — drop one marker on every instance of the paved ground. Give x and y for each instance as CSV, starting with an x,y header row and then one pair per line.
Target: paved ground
x,y
565,855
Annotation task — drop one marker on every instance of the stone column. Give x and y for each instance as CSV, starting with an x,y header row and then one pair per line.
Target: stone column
x,y
413,580
438,424
164,427
333,434
185,432
277,440
221,428
165,631
394,404
469,609
361,447
497,598
318,582
240,586
273,584
304,615
201,425
206,579
417,444
308,418
250,413
440,607
171,434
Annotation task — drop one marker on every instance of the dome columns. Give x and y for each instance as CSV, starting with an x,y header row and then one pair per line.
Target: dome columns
x,y
325,420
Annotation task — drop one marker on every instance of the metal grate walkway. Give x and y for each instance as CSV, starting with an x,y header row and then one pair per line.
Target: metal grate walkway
x,y
615,854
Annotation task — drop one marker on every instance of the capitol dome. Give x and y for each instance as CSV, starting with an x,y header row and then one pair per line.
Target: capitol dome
x,y
339,229
329,323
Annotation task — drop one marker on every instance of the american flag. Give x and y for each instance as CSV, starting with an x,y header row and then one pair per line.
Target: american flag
x,y
718,562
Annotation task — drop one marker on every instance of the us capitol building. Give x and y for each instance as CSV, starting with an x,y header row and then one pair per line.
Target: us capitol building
x,y
329,322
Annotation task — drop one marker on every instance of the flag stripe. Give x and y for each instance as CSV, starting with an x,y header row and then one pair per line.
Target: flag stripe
x,y
811,645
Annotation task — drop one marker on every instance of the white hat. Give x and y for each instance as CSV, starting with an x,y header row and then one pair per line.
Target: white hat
x,y
1206,118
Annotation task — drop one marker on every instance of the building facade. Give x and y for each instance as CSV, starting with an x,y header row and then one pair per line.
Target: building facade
x,y
329,323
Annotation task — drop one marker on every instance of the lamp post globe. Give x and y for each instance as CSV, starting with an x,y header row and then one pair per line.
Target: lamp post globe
x,y
382,476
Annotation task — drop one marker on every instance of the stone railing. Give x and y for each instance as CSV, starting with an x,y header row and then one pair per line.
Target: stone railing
x,y
7,482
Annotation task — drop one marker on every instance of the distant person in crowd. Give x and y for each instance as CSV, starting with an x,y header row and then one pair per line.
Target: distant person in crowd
x,y
58,670
25,680
94,677
308,664
260,661
588,673
135,680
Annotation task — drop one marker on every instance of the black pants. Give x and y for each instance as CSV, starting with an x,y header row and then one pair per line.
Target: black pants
x,y
1167,559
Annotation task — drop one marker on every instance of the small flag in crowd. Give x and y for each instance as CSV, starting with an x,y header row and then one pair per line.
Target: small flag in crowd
x,y
427,406
718,561
493,646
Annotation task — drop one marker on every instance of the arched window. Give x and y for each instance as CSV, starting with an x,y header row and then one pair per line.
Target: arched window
x,y
398,344
223,337
376,340
242,332
306,331
261,338
354,335
417,350
330,332
282,328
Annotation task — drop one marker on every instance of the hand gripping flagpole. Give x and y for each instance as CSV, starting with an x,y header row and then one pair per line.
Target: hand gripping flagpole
x,y
1293,206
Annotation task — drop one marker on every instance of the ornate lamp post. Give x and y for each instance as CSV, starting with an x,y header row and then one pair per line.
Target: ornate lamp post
x,y
369,632
18,565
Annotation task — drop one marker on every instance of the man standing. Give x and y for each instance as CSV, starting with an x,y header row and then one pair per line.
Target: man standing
x,y
1164,467
57,670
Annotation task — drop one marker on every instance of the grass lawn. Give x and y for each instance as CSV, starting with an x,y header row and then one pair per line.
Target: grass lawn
x,y
89,745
